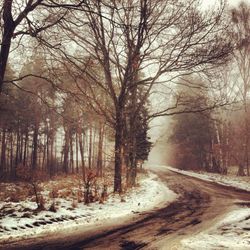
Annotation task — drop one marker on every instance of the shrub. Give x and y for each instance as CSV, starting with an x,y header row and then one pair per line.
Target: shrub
x,y
74,204
104,193
89,183
33,178
52,207
54,193
14,197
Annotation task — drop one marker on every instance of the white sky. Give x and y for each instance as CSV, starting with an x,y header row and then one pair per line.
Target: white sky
x,y
234,2
231,2
160,125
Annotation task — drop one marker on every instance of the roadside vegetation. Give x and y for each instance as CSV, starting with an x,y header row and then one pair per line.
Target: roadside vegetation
x,y
217,140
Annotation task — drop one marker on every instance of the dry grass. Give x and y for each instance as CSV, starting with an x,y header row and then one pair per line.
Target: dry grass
x,y
233,170
14,192
61,186
70,187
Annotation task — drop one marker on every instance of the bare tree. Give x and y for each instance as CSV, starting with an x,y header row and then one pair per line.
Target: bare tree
x,y
241,31
20,18
156,38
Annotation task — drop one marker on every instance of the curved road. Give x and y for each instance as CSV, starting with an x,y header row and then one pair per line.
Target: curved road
x,y
199,205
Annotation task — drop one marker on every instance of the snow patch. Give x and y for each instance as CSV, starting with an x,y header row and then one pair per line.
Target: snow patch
x,y
232,232
226,180
150,193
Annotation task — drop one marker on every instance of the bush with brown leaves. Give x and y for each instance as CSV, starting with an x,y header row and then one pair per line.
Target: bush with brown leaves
x,y
32,177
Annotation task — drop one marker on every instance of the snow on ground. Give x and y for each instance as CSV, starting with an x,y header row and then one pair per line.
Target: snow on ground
x,y
226,180
232,232
22,222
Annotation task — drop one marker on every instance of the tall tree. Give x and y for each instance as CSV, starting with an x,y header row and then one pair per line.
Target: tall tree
x,y
192,133
32,18
127,37
241,31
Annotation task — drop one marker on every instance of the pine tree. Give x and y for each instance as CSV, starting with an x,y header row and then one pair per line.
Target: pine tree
x,y
192,133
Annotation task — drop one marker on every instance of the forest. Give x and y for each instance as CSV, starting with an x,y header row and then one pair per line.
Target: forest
x,y
81,81
217,140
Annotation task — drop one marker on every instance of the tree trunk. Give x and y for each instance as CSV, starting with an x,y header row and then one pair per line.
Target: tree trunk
x,y
71,153
55,168
218,138
35,147
77,159
226,158
82,155
66,151
47,152
25,147
21,147
3,153
100,149
52,161
44,152
246,158
119,145
17,147
132,167
90,147
93,146
8,30
12,170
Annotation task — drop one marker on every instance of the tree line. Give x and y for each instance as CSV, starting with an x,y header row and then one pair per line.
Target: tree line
x,y
58,134
215,140
92,68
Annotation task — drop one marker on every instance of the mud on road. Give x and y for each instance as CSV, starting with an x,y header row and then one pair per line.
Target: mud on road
x,y
199,205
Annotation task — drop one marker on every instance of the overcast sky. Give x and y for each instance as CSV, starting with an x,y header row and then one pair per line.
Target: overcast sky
x,y
231,2
160,125
235,2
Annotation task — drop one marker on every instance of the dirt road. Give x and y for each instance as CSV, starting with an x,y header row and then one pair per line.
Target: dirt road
x,y
200,204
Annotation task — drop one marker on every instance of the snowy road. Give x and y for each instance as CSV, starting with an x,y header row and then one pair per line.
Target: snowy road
x,y
199,206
